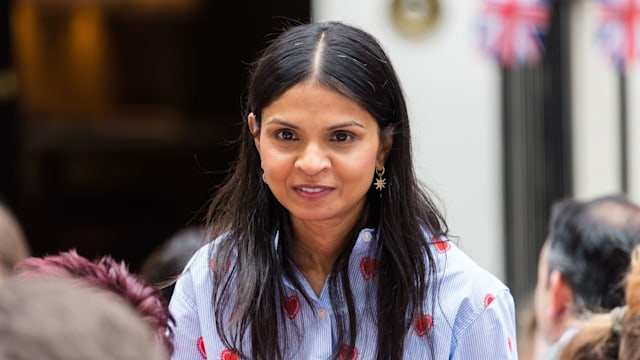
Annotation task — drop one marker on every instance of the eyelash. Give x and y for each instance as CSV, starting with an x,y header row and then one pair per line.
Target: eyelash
x,y
280,134
349,136
288,135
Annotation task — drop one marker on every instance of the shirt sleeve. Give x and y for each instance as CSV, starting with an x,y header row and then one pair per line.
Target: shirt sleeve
x,y
188,343
492,334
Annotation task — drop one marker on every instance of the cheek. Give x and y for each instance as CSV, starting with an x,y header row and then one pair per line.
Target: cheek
x,y
360,167
274,164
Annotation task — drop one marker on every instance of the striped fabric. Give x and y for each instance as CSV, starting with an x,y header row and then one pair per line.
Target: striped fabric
x,y
473,316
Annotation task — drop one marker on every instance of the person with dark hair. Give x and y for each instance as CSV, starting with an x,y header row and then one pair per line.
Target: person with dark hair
x,y
323,243
166,262
613,335
582,264
13,243
107,274
58,318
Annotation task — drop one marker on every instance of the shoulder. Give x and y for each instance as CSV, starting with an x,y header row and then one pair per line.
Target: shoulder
x,y
471,299
200,262
458,274
474,305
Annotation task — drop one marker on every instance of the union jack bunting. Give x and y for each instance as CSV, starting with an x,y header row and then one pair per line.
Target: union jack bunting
x,y
619,30
513,31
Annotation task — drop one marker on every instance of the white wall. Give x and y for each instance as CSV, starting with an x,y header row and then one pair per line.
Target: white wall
x,y
633,99
595,108
453,96
596,113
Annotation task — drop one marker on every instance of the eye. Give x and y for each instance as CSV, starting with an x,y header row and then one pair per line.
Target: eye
x,y
342,136
285,135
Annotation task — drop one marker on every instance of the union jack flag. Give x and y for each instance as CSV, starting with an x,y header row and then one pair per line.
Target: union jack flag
x,y
619,31
513,31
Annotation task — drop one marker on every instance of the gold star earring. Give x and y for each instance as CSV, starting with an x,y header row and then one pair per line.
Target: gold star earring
x,y
380,182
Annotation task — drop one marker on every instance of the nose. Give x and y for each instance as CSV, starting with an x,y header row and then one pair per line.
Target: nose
x,y
312,159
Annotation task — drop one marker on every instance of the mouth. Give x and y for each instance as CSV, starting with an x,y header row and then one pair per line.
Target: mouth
x,y
312,192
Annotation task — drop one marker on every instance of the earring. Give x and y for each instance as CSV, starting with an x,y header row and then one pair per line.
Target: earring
x,y
380,182
262,169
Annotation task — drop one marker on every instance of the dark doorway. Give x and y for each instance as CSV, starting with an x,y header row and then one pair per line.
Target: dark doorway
x,y
126,114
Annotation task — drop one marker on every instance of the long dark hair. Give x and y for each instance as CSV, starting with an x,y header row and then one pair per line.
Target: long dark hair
x,y
245,217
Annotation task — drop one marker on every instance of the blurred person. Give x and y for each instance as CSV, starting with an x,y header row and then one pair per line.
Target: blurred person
x,y
13,243
107,274
582,264
614,335
323,244
530,341
166,262
65,319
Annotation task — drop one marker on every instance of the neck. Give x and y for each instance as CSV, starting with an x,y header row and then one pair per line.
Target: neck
x,y
316,248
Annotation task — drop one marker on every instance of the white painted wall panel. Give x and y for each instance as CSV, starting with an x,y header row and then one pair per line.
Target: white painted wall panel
x,y
595,107
633,99
453,95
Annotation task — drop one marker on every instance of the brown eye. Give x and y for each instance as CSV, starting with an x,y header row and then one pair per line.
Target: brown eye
x,y
342,136
286,135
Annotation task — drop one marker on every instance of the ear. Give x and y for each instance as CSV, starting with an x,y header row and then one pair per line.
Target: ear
x,y
385,147
254,129
561,297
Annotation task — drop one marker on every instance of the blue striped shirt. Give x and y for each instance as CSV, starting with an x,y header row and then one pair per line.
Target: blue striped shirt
x,y
472,318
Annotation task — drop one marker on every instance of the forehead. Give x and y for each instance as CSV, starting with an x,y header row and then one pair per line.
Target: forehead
x,y
313,98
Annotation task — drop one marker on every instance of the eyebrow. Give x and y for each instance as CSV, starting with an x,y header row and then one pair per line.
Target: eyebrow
x,y
332,127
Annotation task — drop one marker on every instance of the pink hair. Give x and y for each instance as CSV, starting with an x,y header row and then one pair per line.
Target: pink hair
x,y
107,274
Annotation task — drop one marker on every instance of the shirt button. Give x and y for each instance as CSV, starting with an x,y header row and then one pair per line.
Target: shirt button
x,y
322,313
366,236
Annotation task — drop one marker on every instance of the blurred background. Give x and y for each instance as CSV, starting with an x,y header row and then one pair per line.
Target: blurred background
x,y
117,116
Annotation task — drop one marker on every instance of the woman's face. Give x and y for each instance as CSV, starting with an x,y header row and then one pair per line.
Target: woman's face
x,y
319,151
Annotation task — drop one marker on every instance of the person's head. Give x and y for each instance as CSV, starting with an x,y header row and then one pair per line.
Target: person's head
x,y
584,260
13,244
110,276
358,109
65,319
167,261
614,335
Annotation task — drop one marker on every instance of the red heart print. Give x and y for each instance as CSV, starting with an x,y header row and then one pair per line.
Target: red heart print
x,y
344,350
441,245
423,325
291,306
509,343
200,346
488,299
212,266
227,354
368,267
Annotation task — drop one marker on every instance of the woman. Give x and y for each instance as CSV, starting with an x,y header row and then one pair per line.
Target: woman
x,y
614,335
311,257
